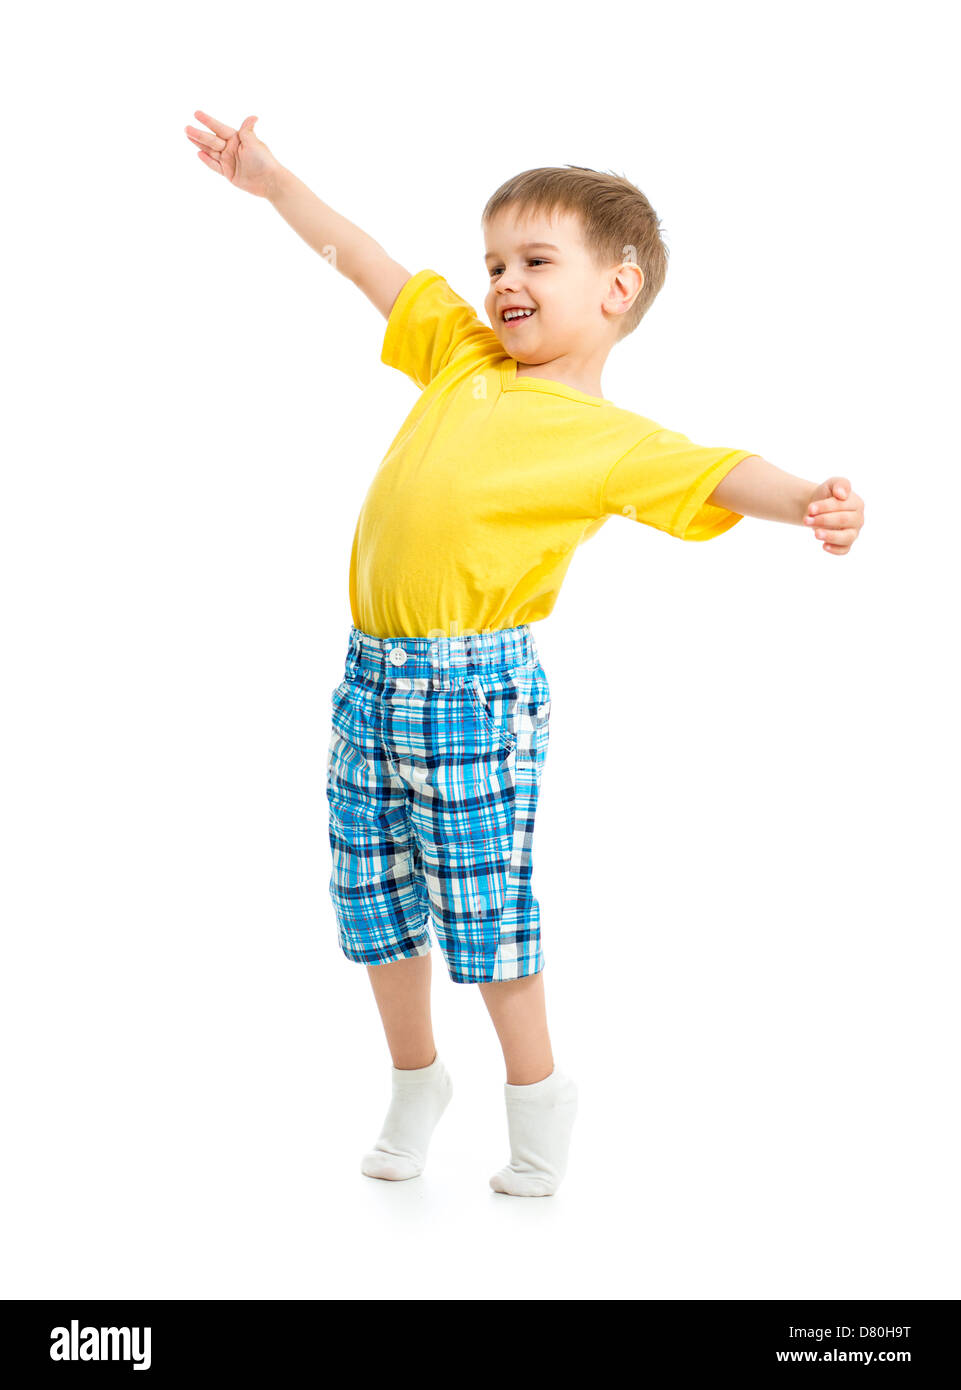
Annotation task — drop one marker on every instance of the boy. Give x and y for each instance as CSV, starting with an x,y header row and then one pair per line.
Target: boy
x,y
509,460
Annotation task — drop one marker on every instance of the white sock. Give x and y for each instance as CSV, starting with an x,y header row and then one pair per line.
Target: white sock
x,y
418,1099
540,1118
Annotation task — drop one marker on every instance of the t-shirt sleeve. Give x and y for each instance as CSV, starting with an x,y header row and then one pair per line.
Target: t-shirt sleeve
x,y
429,326
664,481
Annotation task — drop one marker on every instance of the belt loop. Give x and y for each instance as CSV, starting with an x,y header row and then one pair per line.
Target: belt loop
x,y
439,659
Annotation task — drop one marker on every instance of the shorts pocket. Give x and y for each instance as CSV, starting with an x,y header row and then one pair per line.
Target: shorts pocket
x,y
496,697
515,707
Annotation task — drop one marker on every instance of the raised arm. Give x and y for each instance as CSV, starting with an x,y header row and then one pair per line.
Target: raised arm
x,y
246,162
346,246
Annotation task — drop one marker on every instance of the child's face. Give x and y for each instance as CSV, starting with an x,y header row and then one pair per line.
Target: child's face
x,y
559,281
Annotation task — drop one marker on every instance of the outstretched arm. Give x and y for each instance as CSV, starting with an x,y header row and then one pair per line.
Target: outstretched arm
x,y
250,165
830,509
348,249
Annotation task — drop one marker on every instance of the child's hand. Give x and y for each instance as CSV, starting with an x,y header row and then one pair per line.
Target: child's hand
x,y
237,154
835,514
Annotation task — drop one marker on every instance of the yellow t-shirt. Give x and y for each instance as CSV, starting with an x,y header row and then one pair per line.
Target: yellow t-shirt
x,y
494,480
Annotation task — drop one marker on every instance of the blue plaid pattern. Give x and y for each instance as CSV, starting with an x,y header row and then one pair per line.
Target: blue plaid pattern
x,y
437,748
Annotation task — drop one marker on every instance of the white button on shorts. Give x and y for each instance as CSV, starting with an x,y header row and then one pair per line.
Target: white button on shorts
x,y
397,656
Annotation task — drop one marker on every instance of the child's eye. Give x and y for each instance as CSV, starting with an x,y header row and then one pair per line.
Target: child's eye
x,y
534,260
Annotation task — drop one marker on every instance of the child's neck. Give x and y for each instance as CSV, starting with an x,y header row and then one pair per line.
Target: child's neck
x,y
548,372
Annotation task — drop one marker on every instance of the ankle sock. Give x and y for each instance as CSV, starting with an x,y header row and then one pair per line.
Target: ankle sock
x,y
418,1099
540,1119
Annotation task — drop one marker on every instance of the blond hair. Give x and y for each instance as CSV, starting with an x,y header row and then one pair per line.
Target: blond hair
x,y
617,222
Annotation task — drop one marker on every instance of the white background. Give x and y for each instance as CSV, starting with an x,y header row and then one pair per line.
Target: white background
x,y
746,845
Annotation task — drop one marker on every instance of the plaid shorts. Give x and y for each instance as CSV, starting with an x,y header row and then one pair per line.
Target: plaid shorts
x,y
436,753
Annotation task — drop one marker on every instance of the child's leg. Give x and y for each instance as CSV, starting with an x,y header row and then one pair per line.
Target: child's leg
x,y
519,1015
402,991
541,1101
421,1086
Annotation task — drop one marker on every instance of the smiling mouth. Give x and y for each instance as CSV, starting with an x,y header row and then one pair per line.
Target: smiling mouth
x,y
519,318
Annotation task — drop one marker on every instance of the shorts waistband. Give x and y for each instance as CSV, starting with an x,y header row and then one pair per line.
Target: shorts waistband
x,y
407,657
